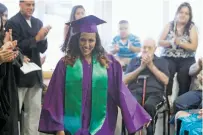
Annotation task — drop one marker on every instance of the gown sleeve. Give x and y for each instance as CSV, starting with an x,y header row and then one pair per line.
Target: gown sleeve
x,y
52,114
133,114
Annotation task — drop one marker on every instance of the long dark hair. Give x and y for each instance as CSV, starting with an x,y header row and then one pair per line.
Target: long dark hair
x,y
1,32
71,31
74,9
190,22
74,52
3,9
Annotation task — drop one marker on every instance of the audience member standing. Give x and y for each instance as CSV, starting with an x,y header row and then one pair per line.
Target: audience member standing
x,y
77,12
180,40
31,37
10,62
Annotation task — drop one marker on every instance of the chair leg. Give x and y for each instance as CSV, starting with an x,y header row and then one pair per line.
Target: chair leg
x,y
178,127
186,132
123,132
21,122
164,123
168,124
154,123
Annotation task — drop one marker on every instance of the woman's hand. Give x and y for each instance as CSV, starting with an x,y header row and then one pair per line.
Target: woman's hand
x,y
60,133
8,36
6,56
6,52
177,41
10,45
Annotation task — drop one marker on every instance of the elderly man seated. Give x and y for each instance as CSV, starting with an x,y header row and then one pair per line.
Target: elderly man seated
x,y
158,75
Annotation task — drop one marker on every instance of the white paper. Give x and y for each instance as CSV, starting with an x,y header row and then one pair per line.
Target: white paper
x,y
29,67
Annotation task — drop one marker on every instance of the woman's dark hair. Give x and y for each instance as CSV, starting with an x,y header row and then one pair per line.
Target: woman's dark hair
x,y
74,51
71,31
3,9
74,9
190,22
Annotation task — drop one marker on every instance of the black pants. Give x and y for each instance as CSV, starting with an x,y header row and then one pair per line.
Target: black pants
x,y
151,102
181,66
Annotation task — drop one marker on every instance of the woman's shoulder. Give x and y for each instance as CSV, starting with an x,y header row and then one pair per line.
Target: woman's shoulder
x,y
61,62
113,61
111,57
193,26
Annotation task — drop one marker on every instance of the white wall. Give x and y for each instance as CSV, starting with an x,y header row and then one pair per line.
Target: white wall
x,y
144,16
147,19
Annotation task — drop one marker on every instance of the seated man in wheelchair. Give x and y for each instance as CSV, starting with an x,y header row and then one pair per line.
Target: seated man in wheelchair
x,y
146,77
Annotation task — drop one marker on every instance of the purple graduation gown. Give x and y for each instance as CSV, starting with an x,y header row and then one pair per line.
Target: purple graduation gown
x,y
52,113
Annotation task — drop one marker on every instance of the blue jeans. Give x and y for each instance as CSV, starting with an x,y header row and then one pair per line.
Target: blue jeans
x,y
189,100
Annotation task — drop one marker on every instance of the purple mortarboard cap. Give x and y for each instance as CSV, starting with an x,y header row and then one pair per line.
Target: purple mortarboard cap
x,y
86,24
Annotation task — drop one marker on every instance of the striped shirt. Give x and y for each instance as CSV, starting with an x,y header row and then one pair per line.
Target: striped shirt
x,y
124,51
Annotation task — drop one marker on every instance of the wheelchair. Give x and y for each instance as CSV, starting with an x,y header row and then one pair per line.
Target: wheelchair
x,y
163,109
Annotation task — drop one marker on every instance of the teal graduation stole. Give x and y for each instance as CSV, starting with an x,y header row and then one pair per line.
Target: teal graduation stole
x,y
73,97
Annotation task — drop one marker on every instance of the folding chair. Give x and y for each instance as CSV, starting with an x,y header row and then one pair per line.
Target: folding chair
x,y
164,109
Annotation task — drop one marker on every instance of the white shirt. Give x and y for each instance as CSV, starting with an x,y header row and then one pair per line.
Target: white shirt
x,y
29,23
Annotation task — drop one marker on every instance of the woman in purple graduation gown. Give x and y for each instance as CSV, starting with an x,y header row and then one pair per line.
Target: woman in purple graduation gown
x,y
86,88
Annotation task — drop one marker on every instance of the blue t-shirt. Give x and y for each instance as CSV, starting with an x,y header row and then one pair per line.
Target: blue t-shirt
x,y
124,50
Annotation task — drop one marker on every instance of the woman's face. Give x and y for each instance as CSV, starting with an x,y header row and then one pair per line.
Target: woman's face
x,y
87,43
183,15
80,12
5,17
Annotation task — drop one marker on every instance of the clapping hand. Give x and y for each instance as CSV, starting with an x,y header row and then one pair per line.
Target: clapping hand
x,y
146,60
6,52
116,48
177,41
6,56
42,33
